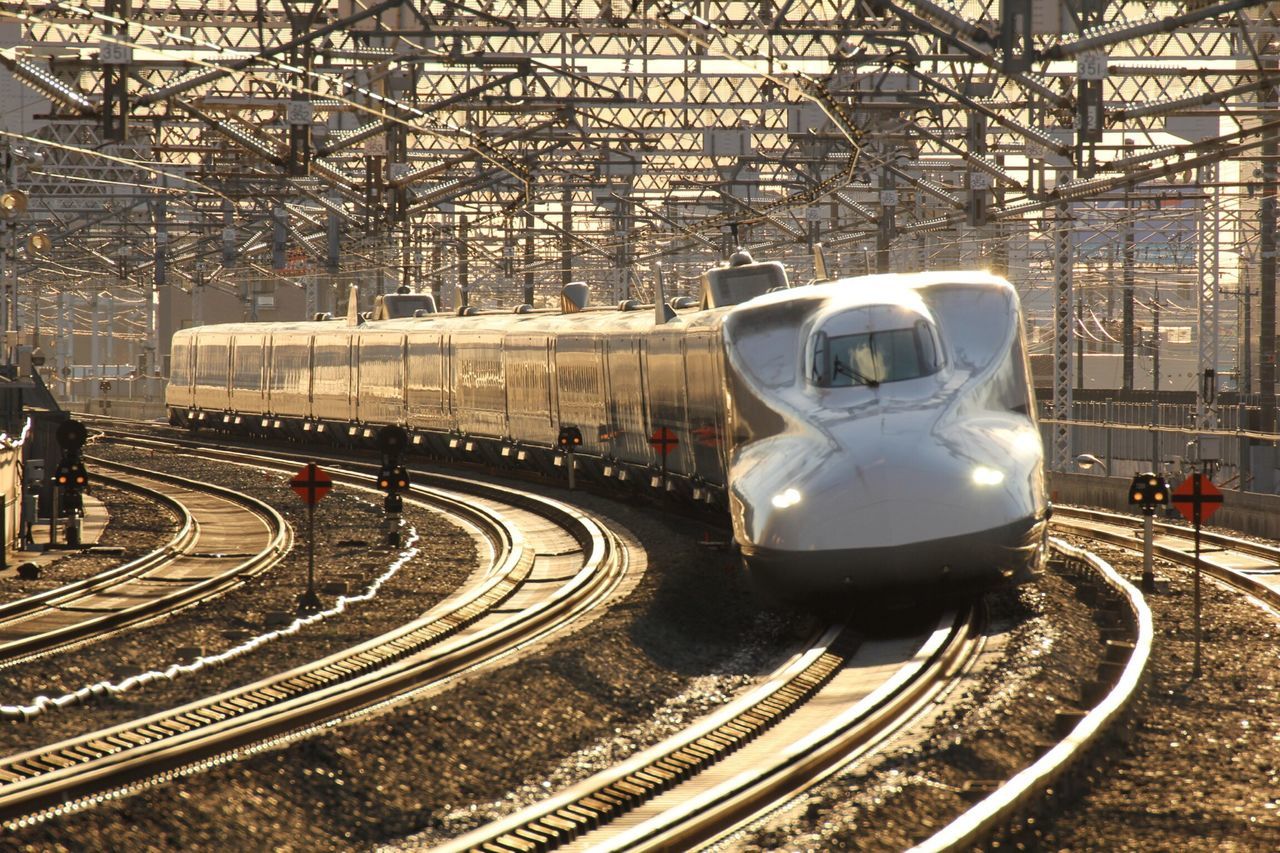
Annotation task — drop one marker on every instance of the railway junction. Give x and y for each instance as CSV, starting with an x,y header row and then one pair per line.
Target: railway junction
x,y
473,627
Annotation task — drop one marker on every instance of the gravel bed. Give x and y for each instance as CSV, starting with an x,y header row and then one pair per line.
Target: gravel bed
x,y
1004,711
1199,770
349,549
687,638
135,524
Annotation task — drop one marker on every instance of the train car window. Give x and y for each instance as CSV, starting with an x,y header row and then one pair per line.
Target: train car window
x,y
179,364
211,365
870,358
248,364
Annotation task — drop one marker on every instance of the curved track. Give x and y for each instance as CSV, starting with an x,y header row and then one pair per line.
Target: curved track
x,y
225,537
837,697
1108,699
826,708
550,564
1253,567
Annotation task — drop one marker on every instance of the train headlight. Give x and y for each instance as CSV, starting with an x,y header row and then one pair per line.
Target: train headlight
x,y
984,476
788,498
1028,442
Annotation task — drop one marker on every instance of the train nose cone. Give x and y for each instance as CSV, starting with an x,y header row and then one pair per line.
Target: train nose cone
x,y
881,494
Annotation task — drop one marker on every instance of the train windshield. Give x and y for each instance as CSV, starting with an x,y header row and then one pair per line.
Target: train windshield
x,y
870,358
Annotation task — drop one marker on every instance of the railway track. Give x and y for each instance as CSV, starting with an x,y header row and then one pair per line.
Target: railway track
x,y
840,694
224,538
827,707
823,710
1251,567
549,565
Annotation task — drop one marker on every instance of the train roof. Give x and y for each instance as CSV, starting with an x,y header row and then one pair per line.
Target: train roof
x,y
848,291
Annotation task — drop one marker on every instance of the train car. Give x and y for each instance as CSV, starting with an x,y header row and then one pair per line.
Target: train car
x,y
867,435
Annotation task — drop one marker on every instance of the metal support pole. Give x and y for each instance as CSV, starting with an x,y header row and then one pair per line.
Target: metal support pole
x,y
1195,669
310,602
1110,416
1207,303
11,344
529,258
1080,345
464,270
1155,347
1127,286
1148,546
53,516
566,223
1267,273
95,360
59,344
1246,336
1063,339
437,277
109,320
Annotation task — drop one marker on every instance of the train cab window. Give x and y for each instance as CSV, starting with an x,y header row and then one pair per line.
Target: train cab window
x,y
872,357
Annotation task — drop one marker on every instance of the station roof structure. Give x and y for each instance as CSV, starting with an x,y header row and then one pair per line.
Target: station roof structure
x,y
499,143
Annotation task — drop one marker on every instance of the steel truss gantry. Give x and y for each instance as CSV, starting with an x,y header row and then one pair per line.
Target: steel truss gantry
x,y
209,143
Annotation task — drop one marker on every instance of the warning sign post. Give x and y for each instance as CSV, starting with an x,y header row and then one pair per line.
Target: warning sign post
x,y
1197,498
311,484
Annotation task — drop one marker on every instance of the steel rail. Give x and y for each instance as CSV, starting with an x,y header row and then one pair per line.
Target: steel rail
x,y
180,593
1027,790
186,532
575,816
75,773
1087,519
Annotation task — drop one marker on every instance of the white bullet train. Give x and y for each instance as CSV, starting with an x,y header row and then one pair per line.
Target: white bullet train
x,y
866,435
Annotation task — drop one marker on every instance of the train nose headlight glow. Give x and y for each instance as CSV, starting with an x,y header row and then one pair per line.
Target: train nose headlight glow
x,y
984,476
788,498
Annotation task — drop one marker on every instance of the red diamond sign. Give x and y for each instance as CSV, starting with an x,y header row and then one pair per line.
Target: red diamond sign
x,y
1197,498
311,484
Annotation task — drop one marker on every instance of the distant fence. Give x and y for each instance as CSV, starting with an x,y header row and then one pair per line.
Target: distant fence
x,y
1247,512
1131,436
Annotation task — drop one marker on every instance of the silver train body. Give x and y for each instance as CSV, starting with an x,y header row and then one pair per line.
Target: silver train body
x,y
869,434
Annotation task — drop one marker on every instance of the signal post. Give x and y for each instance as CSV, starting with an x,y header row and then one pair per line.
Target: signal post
x,y
393,479
1148,491
570,438
69,479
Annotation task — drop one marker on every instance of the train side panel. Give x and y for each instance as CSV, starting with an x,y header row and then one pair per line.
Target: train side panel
x,y
380,372
332,378
479,386
628,430
580,388
426,388
528,370
248,369
178,393
704,375
212,371
667,393
289,375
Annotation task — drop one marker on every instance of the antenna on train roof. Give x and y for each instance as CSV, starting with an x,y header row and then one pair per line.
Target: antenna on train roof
x,y
353,307
820,264
662,312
